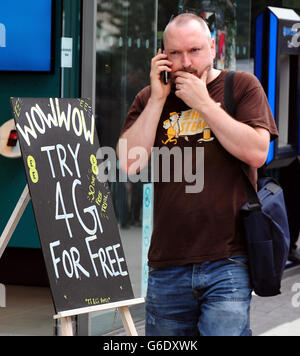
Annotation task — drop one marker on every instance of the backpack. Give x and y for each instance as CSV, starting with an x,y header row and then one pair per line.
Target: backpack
x,y
265,223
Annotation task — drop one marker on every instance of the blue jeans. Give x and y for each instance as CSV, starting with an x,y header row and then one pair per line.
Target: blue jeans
x,y
206,299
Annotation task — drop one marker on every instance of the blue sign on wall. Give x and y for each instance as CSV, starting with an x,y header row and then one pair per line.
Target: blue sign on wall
x,y
25,35
148,202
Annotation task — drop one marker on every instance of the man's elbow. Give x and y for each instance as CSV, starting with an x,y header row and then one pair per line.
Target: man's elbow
x,y
133,160
258,160
260,154
123,166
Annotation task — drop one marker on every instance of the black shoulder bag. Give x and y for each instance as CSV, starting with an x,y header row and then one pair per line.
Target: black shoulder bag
x,y
265,223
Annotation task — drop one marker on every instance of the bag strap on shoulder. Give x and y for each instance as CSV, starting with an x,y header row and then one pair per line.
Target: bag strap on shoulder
x,y
230,106
229,101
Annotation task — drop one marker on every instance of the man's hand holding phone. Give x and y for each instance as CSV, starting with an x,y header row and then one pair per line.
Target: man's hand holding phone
x,y
160,64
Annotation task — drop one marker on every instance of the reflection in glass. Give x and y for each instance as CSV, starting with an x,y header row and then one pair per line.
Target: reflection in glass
x,y
125,46
125,43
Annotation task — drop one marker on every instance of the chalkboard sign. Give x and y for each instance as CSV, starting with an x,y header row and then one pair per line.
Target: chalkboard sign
x,y
74,213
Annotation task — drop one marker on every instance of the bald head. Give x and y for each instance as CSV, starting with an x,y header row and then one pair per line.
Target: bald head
x,y
185,18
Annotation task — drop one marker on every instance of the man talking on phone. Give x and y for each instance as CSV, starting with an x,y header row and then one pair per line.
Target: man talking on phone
x,y
198,274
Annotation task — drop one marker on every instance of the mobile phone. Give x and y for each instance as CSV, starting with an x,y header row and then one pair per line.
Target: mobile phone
x,y
164,74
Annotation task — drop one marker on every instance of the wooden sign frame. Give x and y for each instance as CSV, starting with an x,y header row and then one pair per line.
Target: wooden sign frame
x,y
66,316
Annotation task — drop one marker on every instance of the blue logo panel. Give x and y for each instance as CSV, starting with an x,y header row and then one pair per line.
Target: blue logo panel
x,y
25,35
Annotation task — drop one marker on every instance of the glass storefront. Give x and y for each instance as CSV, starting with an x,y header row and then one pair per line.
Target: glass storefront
x,y
128,33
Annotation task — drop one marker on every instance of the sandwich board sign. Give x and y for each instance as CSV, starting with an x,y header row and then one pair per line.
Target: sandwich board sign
x,y
73,210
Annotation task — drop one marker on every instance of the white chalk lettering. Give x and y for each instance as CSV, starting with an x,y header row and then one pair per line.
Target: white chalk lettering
x,y
76,263
62,158
102,257
92,255
108,257
60,201
66,256
54,259
27,130
90,210
62,155
39,122
50,119
75,156
77,130
41,129
119,260
70,262
61,116
48,149
88,134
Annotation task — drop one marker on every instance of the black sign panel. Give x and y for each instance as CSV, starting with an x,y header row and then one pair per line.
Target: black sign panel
x,y
74,214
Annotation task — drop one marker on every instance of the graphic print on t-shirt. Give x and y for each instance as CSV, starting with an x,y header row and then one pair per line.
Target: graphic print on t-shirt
x,y
185,124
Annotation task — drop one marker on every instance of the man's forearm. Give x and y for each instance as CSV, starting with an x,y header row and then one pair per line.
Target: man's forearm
x,y
141,134
246,143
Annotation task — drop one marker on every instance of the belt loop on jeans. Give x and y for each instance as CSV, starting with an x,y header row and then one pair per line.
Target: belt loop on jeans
x,y
231,260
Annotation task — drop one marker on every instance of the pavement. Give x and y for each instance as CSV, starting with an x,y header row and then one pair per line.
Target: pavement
x,y
280,315
270,316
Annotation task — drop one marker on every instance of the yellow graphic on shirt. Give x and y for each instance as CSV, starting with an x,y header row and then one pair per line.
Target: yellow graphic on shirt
x,y
185,124
172,126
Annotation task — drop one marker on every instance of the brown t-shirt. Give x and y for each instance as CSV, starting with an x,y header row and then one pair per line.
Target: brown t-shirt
x,y
204,226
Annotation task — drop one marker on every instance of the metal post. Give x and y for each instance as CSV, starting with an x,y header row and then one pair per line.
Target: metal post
x,y
2,296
